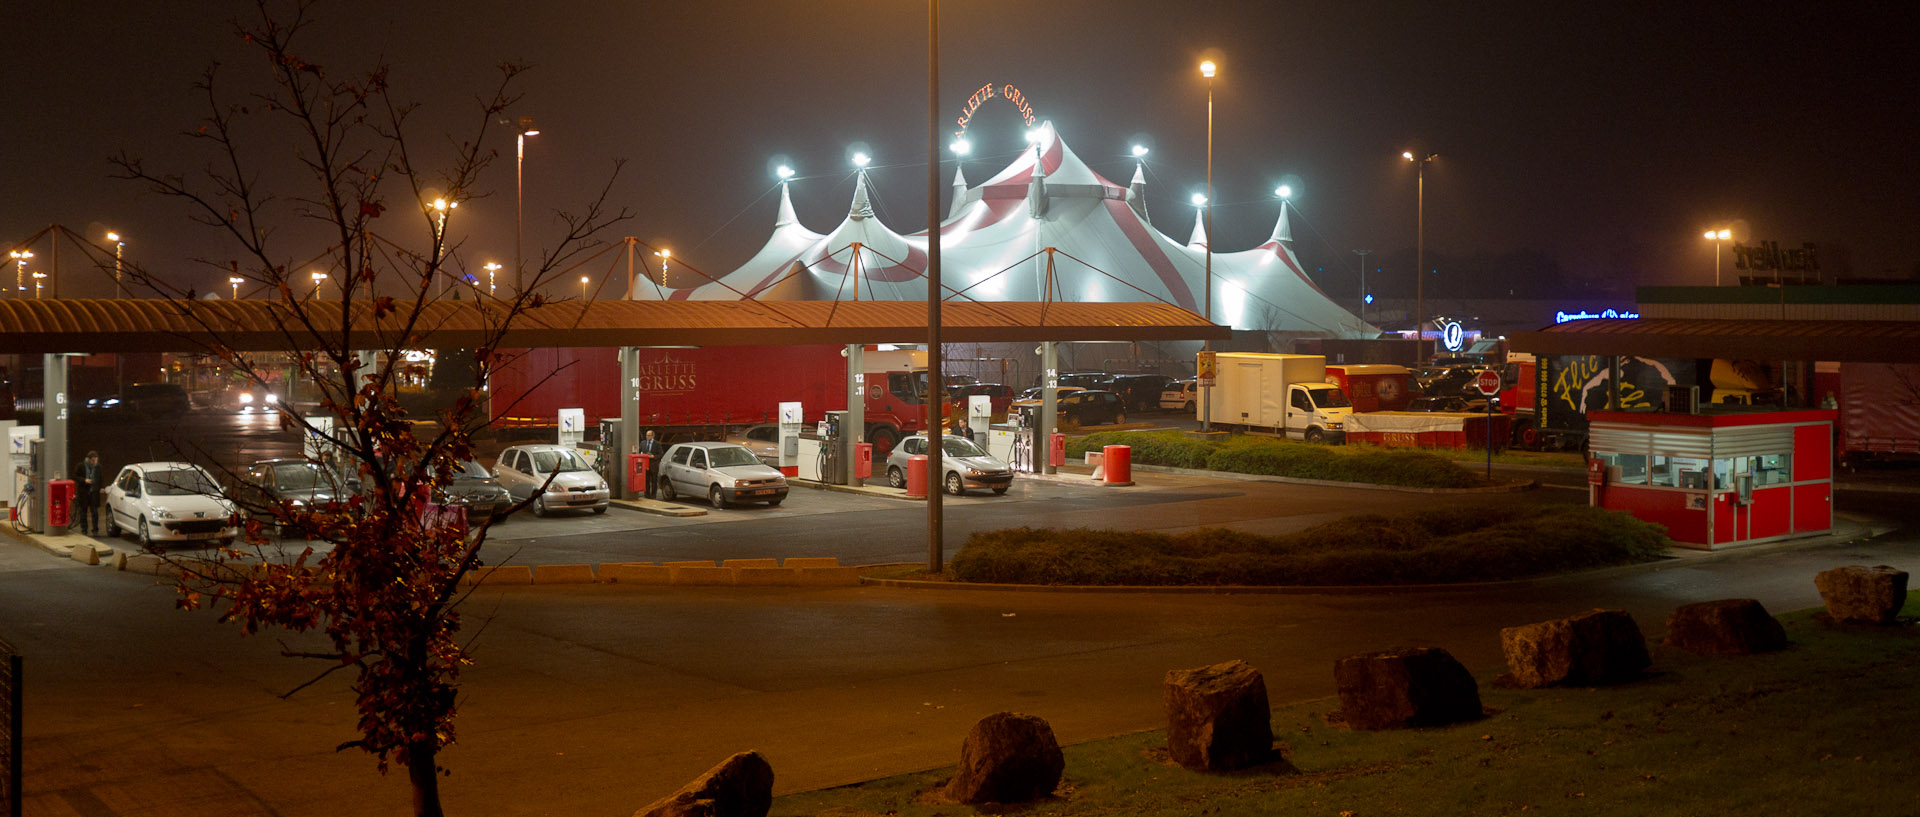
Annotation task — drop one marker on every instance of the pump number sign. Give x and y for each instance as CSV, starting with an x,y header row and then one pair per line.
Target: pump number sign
x,y
1488,382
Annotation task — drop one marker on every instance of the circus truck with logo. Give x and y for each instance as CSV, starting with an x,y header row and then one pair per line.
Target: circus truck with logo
x,y
706,393
1549,397
1282,394
1373,386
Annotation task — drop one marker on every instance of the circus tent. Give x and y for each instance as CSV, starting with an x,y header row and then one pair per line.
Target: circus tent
x,y
1046,227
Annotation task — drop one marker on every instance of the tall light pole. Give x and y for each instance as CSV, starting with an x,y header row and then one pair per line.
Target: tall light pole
x,y
583,288
235,283
1207,70
39,280
1363,283
519,202
936,383
317,278
441,206
492,269
119,291
1420,253
1718,237
19,271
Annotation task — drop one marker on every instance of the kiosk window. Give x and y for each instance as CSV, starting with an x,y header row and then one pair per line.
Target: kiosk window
x,y
1773,469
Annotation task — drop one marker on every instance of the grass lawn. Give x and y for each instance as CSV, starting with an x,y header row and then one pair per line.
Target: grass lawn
x,y
1825,727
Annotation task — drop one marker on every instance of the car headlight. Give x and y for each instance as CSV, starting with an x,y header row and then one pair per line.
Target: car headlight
x,y
162,513
975,472
245,398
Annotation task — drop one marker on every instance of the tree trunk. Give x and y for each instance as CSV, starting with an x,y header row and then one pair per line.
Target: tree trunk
x,y
426,782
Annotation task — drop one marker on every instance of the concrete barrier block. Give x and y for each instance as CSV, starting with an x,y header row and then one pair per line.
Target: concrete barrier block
x,y
147,563
827,576
563,574
86,554
635,573
687,564
766,576
708,575
501,574
812,561
750,563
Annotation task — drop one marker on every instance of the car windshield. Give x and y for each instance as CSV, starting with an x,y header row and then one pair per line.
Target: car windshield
x,y
960,447
472,470
180,482
298,476
1331,398
558,459
731,455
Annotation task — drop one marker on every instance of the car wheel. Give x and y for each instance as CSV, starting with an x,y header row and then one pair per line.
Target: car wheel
x,y
113,528
540,505
775,503
1315,435
1119,418
1188,408
714,496
895,478
145,535
954,485
600,510
884,439
501,518
667,493
1000,491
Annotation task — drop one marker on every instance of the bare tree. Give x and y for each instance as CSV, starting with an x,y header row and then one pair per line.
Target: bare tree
x,y
385,595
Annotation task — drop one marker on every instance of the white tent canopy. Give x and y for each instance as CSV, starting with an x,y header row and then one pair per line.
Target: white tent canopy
x,y
1063,233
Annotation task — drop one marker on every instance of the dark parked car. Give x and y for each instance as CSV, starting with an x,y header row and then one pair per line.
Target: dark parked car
x,y
1084,407
164,401
1001,395
299,483
1141,392
1087,380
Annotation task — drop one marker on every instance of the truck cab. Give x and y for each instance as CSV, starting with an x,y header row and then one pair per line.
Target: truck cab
x,y
1317,412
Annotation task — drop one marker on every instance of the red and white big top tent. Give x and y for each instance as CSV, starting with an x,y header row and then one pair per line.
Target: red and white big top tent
x,y
1021,234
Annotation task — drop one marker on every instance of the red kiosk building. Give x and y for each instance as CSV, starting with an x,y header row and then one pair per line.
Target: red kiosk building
x,y
1718,479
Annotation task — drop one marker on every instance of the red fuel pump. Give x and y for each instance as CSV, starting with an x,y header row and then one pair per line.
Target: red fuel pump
x,y
59,503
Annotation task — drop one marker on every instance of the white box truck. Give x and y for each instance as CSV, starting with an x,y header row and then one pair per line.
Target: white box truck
x,y
1276,393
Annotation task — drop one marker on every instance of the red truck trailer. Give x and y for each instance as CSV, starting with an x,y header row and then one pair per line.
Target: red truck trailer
x,y
1879,409
705,393
1373,386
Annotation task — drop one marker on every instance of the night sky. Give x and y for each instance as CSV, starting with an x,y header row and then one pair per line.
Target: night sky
x,y
1597,140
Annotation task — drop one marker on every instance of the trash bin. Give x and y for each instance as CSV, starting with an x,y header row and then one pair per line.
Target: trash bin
x,y
1118,462
917,475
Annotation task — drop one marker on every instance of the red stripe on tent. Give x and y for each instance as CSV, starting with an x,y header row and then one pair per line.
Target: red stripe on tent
x,y
1287,258
1149,250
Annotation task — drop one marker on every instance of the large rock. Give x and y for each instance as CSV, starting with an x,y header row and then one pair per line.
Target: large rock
x,y
1725,627
1594,647
1007,758
1414,686
1218,718
1859,593
741,786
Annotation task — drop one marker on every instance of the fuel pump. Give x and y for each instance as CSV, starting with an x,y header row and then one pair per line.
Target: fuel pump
x,y
609,460
834,471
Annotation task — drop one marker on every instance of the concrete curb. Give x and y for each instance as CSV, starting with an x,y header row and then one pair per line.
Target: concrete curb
x,y
657,507
1854,529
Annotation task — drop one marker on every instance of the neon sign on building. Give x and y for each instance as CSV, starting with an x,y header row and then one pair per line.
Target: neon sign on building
x,y
1583,315
988,91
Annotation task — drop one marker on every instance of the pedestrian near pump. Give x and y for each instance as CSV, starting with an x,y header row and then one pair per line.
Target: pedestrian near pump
x,y
86,489
961,429
653,449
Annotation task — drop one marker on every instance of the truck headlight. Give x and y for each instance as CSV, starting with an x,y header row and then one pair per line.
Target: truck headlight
x,y
1333,426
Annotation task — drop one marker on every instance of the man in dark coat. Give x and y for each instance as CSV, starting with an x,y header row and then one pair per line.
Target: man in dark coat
x,y
87,482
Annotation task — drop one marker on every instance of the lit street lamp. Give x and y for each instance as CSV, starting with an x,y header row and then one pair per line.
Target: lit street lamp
x,y
235,282
665,256
491,269
583,287
519,202
20,270
1718,237
1207,70
1420,252
119,244
317,278
39,280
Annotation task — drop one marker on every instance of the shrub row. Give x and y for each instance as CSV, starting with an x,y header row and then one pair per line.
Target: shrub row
x,y
1427,547
1244,454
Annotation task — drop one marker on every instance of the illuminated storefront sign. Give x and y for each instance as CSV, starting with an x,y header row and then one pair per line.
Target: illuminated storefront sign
x,y
1767,255
1583,315
1453,336
988,91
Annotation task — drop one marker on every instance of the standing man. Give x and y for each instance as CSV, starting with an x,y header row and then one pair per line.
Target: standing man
x,y
960,427
653,449
86,489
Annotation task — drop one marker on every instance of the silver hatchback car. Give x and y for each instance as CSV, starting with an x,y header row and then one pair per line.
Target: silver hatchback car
x,y
722,472
524,469
966,463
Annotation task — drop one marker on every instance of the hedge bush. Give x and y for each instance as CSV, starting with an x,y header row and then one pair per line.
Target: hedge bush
x,y
1249,454
1435,546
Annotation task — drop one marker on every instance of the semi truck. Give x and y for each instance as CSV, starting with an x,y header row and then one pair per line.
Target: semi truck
x,y
1276,393
1879,407
1373,386
705,393
1548,398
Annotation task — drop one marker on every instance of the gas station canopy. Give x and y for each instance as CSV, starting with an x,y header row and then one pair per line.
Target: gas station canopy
x,y
147,325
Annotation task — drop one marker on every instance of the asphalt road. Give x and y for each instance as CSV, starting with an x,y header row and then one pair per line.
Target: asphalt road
x,y
594,700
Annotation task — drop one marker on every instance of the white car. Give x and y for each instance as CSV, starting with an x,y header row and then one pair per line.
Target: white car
x,y
524,470
724,473
1180,396
169,502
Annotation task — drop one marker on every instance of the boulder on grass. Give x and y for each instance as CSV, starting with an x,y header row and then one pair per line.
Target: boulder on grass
x,y
741,786
1414,686
1725,627
1594,647
1218,718
1860,593
1007,758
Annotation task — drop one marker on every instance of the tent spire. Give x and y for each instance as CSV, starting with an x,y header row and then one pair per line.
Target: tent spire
x,y
1037,191
1199,238
786,215
1137,192
1282,231
959,193
862,208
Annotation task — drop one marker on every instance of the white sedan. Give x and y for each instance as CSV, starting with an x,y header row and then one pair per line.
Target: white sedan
x,y
169,502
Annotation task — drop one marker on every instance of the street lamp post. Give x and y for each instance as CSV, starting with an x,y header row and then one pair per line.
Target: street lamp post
x,y
1420,253
1718,237
936,383
20,270
1363,283
235,283
583,288
441,206
1207,70
519,202
39,280
665,256
119,290
491,269
317,278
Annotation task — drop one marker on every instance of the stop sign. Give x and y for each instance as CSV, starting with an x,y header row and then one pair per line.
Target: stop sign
x,y
1488,382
